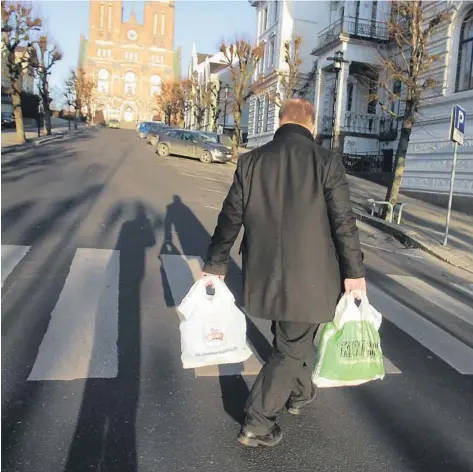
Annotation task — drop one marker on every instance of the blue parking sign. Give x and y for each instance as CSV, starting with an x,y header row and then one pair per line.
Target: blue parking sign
x,y
458,124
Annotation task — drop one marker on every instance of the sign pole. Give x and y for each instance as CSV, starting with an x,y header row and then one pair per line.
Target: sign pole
x,y
450,196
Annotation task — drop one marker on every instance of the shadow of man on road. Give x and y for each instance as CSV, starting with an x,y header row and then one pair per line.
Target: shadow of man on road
x,y
105,436
182,225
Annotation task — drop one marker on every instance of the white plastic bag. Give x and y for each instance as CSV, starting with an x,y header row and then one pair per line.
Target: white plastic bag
x,y
213,330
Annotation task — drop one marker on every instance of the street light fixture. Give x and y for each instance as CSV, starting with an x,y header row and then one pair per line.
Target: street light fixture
x,y
338,61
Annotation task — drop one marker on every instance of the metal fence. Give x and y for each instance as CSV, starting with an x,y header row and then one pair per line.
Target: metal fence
x,y
365,162
357,27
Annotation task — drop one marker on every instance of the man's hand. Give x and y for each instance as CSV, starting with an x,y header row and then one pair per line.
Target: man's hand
x,y
355,285
205,274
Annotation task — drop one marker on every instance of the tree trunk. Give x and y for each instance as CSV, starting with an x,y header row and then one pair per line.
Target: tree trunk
x,y
47,120
236,134
392,193
20,128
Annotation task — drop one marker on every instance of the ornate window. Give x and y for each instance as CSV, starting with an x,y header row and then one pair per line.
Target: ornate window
x,y
130,83
155,85
464,80
102,84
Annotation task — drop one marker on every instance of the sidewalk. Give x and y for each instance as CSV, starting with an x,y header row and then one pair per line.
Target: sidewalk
x,y
422,225
9,139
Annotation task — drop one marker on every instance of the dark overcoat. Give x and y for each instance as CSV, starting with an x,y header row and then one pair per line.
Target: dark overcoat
x,y
300,238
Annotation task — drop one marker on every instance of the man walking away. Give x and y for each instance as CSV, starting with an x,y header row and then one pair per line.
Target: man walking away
x,y
300,247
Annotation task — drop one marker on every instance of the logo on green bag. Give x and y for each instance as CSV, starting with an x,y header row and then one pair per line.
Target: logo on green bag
x,y
358,349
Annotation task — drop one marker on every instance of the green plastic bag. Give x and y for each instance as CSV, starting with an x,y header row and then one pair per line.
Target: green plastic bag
x,y
350,348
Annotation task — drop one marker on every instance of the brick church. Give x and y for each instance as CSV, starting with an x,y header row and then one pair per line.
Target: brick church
x,y
129,60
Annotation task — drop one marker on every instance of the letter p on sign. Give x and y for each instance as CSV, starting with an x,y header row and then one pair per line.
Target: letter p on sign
x,y
458,124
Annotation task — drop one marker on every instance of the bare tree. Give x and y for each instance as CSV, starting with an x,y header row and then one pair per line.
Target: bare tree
x,y
18,23
242,58
198,105
407,61
42,58
211,102
290,77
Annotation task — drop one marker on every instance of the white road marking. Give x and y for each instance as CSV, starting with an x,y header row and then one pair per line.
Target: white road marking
x,y
468,289
181,273
81,340
435,339
11,257
211,190
449,304
402,253
213,208
202,177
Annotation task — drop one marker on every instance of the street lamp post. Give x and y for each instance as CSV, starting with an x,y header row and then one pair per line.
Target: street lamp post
x,y
225,107
338,62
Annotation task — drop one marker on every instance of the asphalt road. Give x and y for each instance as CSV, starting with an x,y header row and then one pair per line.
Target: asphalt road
x,y
91,371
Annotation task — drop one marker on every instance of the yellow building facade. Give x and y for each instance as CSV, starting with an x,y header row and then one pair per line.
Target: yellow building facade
x,y
128,61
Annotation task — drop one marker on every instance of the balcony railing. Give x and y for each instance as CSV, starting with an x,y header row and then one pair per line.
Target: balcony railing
x,y
355,27
366,162
361,124
388,128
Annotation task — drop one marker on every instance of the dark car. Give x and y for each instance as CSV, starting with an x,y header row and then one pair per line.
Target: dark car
x,y
192,144
155,133
146,128
8,119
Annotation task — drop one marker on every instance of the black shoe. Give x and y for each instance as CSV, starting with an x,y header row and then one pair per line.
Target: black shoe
x,y
247,438
294,407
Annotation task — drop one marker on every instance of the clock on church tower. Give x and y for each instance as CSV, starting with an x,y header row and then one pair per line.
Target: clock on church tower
x,y
132,35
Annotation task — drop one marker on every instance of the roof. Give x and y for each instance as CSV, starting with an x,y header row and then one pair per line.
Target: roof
x,y
201,57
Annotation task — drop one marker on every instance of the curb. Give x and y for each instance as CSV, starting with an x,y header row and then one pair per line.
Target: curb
x,y
38,141
415,240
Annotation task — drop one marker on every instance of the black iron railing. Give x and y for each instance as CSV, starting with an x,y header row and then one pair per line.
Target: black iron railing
x,y
388,128
356,27
361,123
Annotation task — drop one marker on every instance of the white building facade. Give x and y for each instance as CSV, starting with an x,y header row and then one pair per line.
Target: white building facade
x,y
279,21
211,72
348,119
430,153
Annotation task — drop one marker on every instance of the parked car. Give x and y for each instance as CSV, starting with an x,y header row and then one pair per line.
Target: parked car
x,y
142,124
114,124
143,133
8,119
192,144
223,139
155,133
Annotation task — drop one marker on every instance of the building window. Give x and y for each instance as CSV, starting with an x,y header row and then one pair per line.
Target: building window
x,y
264,23
163,23
276,10
155,24
131,56
266,114
350,97
130,83
464,80
257,116
102,84
271,53
102,14
110,17
155,85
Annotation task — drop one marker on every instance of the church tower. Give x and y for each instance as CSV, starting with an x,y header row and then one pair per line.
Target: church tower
x,y
128,60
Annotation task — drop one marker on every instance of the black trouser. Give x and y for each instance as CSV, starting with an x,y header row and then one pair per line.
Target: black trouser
x,y
287,375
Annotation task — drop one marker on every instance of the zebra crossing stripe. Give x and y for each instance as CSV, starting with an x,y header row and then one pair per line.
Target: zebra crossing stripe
x,y
182,272
449,304
451,350
81,339
11,257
